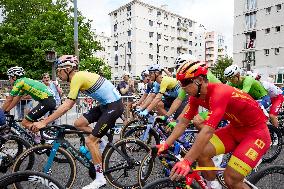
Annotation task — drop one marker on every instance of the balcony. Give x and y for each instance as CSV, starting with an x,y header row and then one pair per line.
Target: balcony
x,y
128,51
249,45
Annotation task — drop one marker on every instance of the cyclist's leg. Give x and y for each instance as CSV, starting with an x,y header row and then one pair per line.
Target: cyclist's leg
x,y
252,146
221,142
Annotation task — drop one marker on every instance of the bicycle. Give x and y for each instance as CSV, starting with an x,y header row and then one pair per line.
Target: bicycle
x,y
29,179
52,159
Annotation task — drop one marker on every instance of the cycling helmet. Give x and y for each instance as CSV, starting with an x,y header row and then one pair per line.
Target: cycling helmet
x,y
184,58
189,70
155,67
67,60
126,73
232,71
15,71
144,72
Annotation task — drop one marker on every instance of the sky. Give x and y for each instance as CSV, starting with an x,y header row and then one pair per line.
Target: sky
x,y
215,15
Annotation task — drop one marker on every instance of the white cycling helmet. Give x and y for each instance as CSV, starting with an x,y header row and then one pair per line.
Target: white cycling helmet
x,y
184,58
144,72
252,74
16,71
67,60
155,67
232,71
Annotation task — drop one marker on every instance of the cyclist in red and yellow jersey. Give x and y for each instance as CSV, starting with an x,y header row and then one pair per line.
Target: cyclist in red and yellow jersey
x,y
247,135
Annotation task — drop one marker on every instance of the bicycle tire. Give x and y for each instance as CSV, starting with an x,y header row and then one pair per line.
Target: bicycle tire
x,y
30,177
276,145
137,132
167,183
260,181
131,124
135,150
22,145
40,152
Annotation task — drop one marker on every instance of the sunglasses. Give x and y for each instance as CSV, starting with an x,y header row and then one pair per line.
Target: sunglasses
x,y
46,77
186,82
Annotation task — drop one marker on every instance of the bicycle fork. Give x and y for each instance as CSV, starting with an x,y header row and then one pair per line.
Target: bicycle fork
x,y
47,166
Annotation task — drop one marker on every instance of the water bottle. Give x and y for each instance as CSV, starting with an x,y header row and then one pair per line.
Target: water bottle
x,y
85,152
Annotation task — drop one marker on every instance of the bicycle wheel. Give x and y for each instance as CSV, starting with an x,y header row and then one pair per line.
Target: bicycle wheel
x,y
29,179
168,183
119,171
269,177
138,132
275,147
11,147
130,125
65,172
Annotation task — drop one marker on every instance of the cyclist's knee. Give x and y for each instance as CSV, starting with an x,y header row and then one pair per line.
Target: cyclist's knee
x,y
81,122
92,140
232,178
197,121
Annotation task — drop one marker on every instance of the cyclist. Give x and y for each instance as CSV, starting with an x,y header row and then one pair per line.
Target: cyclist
x,y
276,96
164,86
105,114
26,86
247,135
247,84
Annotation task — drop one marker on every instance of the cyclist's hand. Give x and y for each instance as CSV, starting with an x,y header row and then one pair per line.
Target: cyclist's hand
x,y
37,126
172,124
181,169
144,113
162,147
162,119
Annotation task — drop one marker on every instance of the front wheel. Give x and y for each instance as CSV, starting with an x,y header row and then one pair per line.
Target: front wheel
x,y
168,183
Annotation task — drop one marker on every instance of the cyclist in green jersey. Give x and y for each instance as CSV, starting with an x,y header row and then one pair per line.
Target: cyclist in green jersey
x,y
247,84
26,86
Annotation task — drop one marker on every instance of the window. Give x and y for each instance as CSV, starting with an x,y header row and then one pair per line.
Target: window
x,y
166,48
129,20
190,52
158,13
129,45
129,32
115,15
151,45
172,38
151,34
190,33
150,11
251,4
150,23
190,43
250,20
268,10
166,26
189,24
116,48
267,31
266,52
116,58
151,56
115,27
165,58
277,29
158,37
128,8
278,7
276,51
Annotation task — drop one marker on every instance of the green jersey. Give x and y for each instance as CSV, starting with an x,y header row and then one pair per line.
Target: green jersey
x,y
37,90
211,78
251,86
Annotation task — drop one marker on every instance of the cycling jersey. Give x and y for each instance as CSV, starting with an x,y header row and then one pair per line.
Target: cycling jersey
x,y
94,86
247,135
252,87
169,86
211,79
272,89
26,86
149,87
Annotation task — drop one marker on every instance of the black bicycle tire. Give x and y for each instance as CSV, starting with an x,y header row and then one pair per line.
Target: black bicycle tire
x,y
125,128
152,132
266,171
25,176
106,160
21,143
279,145
159,183
48,147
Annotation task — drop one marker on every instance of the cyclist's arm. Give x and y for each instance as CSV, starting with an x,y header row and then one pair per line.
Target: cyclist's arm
x,y
62,109
168,73
155,102
178,130
148,101
14,102
7,102
183,112
143,97
175,105
248,81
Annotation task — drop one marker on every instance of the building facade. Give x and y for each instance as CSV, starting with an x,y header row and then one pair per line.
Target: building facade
x,y
143,34
199,44
259,35
105,43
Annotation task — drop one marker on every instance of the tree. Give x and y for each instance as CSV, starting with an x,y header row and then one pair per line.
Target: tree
x,y
31,27
220,66
96,65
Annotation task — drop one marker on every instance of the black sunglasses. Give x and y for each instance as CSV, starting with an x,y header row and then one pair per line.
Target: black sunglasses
x,y
186,82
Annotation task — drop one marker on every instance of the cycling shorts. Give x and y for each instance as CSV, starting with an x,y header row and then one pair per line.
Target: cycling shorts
x,y
44,106
276,104
168,100
265,101
105,116
247,145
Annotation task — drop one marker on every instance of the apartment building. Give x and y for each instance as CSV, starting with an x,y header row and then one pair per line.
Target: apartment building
x,y
143,34
105,42
199,42
214,47
259,36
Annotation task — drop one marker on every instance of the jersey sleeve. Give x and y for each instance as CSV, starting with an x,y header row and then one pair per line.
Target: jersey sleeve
x,y
217,106
75,86
155,89
17,89
163,86
248,81
192,109
182,94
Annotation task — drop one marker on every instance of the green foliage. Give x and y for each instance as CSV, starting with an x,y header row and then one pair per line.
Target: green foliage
x,y
31,27
95,65
220,66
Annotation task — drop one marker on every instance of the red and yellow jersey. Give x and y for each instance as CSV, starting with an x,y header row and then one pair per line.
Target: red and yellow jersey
x,y
227,102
